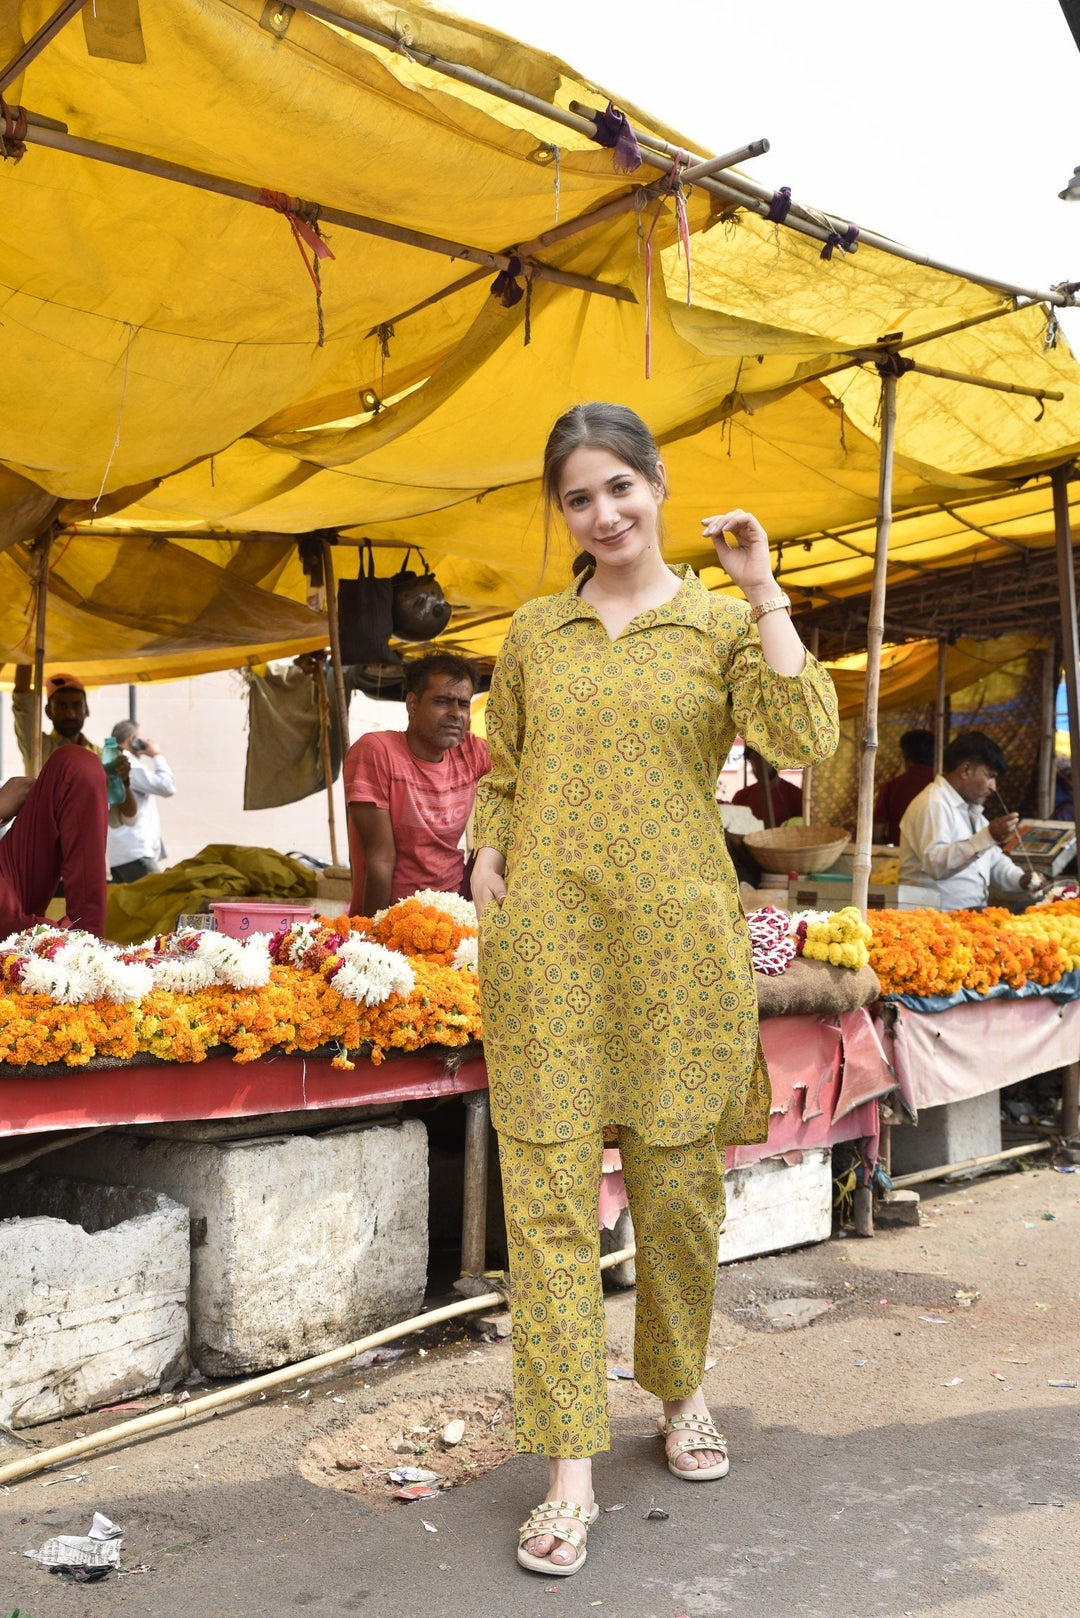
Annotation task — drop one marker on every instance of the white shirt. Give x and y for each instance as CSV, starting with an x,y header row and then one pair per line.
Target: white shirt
x,y
945,843
140,839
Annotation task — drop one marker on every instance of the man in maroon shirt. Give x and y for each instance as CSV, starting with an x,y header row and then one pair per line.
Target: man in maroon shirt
x,y
917,751
785,796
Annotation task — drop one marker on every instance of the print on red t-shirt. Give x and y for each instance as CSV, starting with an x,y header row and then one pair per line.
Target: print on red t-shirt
x,y
429,805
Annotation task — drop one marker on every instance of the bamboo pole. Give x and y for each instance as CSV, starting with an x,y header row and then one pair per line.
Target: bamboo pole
x,y
923,1175
323,703
340,695
42,547
176,1415
808,773
940,723
984,382
162,169
37,42
1047,732
1070,650
875,630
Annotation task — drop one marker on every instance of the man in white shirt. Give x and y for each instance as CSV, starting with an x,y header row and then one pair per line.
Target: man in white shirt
x,y
946,840
135,849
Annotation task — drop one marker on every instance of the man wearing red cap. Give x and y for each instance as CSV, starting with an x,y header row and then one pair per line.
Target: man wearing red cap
x,y
65,705
54,829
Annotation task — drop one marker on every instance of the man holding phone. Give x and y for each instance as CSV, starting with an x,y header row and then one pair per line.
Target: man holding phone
x,y
135,849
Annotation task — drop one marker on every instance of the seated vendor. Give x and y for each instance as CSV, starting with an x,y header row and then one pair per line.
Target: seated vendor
x,y
785,796
890,806
65,705
410,793
946,841
54,829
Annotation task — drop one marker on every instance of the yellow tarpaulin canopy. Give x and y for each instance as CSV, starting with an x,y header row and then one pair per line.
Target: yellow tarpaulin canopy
x,y
173,407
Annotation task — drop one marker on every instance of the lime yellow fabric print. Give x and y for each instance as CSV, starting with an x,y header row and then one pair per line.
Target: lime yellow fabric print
x,y
616,975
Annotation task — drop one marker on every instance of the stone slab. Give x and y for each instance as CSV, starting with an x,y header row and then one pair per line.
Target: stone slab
x,y
93,1295
299,1242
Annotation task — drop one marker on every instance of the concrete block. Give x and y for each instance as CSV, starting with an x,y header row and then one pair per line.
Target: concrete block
x,y
93,1295
948,1134
898,1208
298,1242
772,1204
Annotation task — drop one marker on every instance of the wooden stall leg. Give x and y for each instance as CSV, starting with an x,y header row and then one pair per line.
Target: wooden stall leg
x,y
1070,1101
864,1211
474,1211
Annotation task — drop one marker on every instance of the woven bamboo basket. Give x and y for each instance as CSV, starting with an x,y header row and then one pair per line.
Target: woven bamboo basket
x,y
797,848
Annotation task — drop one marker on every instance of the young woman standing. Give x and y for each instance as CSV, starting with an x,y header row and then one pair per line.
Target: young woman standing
x,y
615,958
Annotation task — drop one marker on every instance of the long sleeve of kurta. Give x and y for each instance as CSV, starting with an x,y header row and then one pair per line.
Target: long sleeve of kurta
x,y
791,719
504,721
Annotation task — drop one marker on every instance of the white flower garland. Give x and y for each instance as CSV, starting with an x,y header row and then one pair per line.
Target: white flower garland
x,y
370,974
467,955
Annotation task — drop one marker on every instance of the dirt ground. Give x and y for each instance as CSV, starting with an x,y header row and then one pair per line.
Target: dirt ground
x,y
906,1455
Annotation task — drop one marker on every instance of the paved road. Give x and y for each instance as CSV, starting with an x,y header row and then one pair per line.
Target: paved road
x,y
863,1485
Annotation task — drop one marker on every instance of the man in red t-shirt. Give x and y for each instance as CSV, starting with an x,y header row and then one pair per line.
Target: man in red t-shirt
x,y
917,752
785,796
410,793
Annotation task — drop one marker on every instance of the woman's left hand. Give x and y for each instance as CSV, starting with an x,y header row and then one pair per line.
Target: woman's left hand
x,y
744,552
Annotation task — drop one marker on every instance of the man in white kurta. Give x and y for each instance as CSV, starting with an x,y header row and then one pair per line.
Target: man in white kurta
x,y
946,841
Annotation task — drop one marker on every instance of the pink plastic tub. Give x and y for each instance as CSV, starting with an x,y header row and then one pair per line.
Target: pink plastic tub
x,y
239,918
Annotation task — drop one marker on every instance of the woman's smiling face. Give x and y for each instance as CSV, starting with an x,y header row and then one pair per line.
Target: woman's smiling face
x,y
611,511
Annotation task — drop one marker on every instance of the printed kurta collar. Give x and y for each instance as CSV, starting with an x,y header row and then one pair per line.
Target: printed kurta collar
x,y
691,605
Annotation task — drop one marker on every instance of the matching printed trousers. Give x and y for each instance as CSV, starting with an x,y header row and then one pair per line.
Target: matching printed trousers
x,y
551,1193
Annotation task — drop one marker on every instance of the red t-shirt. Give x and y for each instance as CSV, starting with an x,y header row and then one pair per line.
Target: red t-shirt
x,y
429,805
896,795
786,799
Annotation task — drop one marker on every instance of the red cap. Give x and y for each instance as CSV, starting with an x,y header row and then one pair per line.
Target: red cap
x,y
63,682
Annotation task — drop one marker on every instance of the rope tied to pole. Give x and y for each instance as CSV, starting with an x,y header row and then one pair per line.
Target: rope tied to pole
x,y
12,135
845,239
893,364
506,286
303,220
614,130
780,206
672,188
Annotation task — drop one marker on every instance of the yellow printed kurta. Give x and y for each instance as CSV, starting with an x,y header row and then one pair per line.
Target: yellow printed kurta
x,y
616,975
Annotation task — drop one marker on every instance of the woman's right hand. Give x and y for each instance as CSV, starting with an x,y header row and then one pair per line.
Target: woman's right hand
x,y
488,884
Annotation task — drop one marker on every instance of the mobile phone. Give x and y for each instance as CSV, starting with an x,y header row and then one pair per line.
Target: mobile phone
x,y
137,745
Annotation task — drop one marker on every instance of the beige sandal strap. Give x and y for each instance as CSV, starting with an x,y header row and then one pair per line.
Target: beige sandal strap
x,y
705,1436
543,1519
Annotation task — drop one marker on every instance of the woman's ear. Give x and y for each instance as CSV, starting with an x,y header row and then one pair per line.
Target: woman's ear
x,y
660,480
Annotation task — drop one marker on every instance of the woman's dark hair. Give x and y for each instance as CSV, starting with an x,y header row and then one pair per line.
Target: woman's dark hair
x,y
597,426
973,747
917,746
419,670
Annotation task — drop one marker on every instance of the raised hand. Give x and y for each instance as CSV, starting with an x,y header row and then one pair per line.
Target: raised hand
x,y
742,549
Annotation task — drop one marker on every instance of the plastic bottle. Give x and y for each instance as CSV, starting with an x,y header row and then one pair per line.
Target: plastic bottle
x,y
110,757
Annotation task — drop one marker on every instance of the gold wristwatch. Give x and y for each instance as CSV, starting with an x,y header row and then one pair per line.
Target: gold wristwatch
x,y
774,604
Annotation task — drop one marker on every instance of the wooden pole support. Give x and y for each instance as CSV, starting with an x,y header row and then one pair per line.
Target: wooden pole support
x,y
813,646
1070,650
37,42
940,715
474,1207
864,1211
1070,1101
875,632
322,702
1047,732
42,548
340,695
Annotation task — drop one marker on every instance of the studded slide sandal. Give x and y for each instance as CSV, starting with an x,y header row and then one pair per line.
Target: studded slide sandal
x,y
703,1436
542,1520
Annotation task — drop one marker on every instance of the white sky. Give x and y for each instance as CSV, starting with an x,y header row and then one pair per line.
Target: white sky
x,y
949,125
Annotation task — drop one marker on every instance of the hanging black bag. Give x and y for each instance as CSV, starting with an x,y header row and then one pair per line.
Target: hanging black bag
x,y
366,614
420,610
